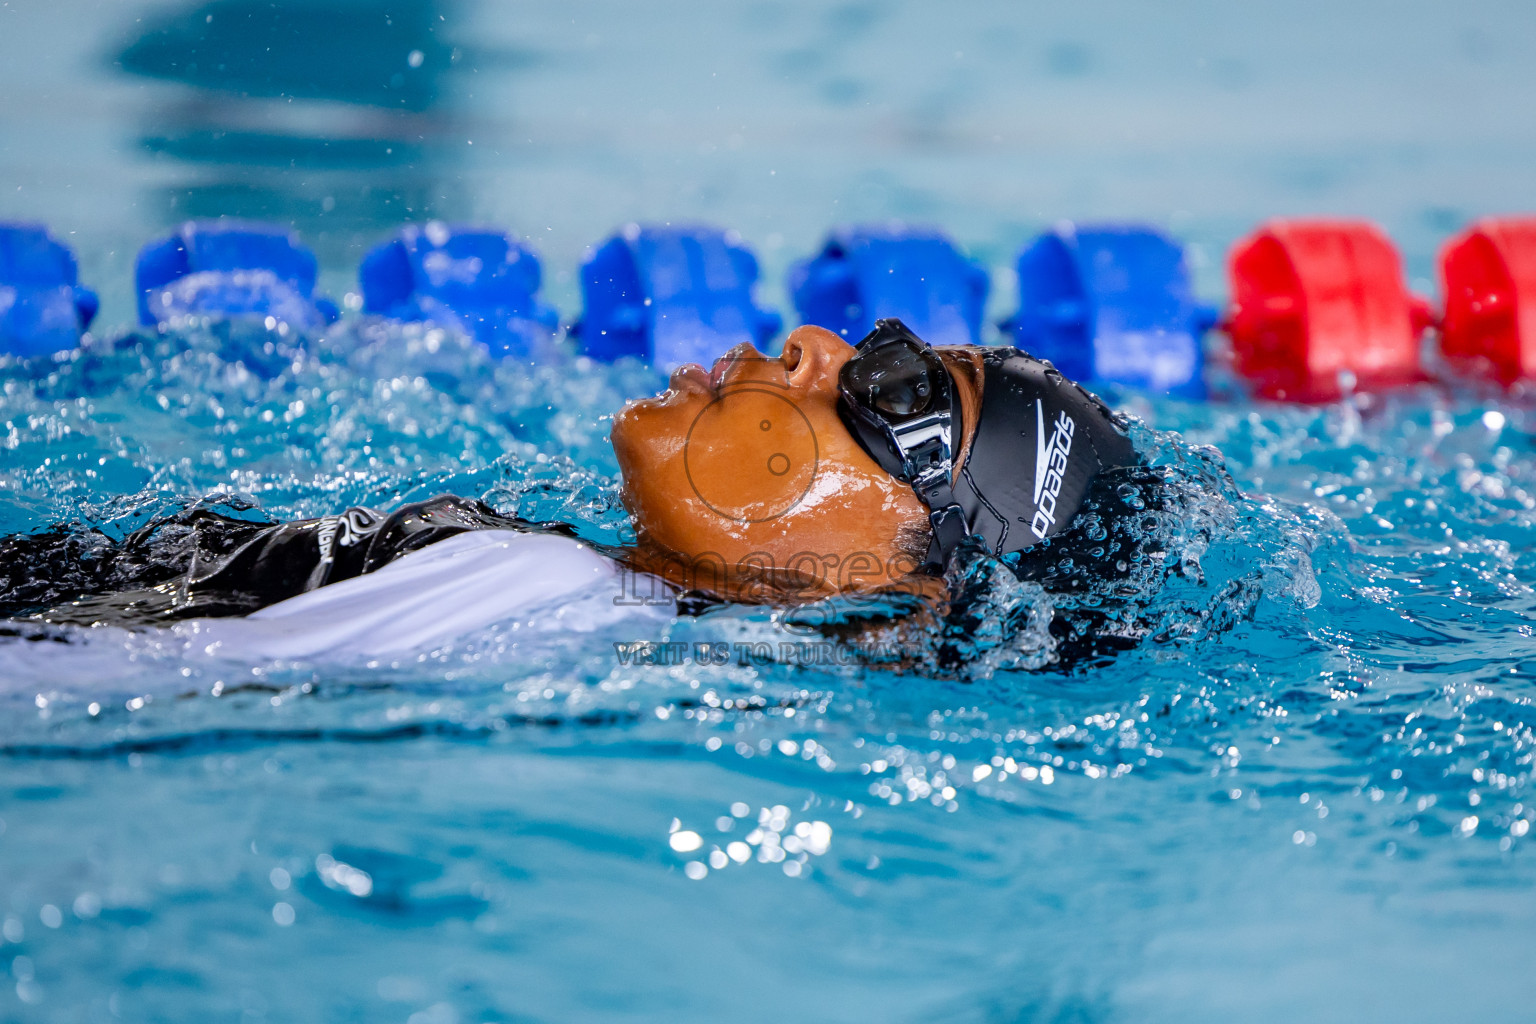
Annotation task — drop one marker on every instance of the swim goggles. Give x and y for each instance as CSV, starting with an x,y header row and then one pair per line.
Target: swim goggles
x,y
898,400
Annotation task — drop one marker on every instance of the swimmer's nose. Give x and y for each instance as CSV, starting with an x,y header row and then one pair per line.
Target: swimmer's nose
x,y
793,355
812,352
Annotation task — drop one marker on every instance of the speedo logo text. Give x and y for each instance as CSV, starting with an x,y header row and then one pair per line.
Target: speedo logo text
x,y
1050,465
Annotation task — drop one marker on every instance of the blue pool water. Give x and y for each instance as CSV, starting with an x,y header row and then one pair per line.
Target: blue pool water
x,y
1308,801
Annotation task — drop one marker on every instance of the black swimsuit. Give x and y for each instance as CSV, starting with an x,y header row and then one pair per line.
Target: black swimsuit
x,y
201,563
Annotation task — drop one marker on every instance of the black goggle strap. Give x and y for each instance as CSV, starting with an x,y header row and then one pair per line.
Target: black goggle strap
x,y
948,521
945,516
926,447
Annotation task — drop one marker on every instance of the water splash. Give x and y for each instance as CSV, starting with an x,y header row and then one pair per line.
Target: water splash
x,y
1335,618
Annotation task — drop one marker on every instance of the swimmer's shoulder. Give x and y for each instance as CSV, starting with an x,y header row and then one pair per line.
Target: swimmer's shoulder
x,y
528,580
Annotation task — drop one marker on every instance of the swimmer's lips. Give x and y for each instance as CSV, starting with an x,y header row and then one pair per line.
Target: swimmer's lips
x,y
688,379
691,378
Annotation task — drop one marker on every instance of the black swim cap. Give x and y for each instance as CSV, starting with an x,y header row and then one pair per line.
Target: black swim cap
x,y
1040,441
1039,444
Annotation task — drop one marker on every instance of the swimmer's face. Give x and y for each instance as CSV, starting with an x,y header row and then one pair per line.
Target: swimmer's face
x,y
745,472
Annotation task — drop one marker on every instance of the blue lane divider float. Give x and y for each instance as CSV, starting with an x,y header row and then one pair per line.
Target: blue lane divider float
x,y
43,307
478,280
230,268
1112,303
671,295
863,274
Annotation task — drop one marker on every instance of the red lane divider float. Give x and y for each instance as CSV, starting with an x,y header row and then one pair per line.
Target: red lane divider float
x,y
1319,309
1488,278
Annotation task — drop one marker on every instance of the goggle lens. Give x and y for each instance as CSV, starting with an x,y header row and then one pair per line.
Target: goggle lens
x,y
897,378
